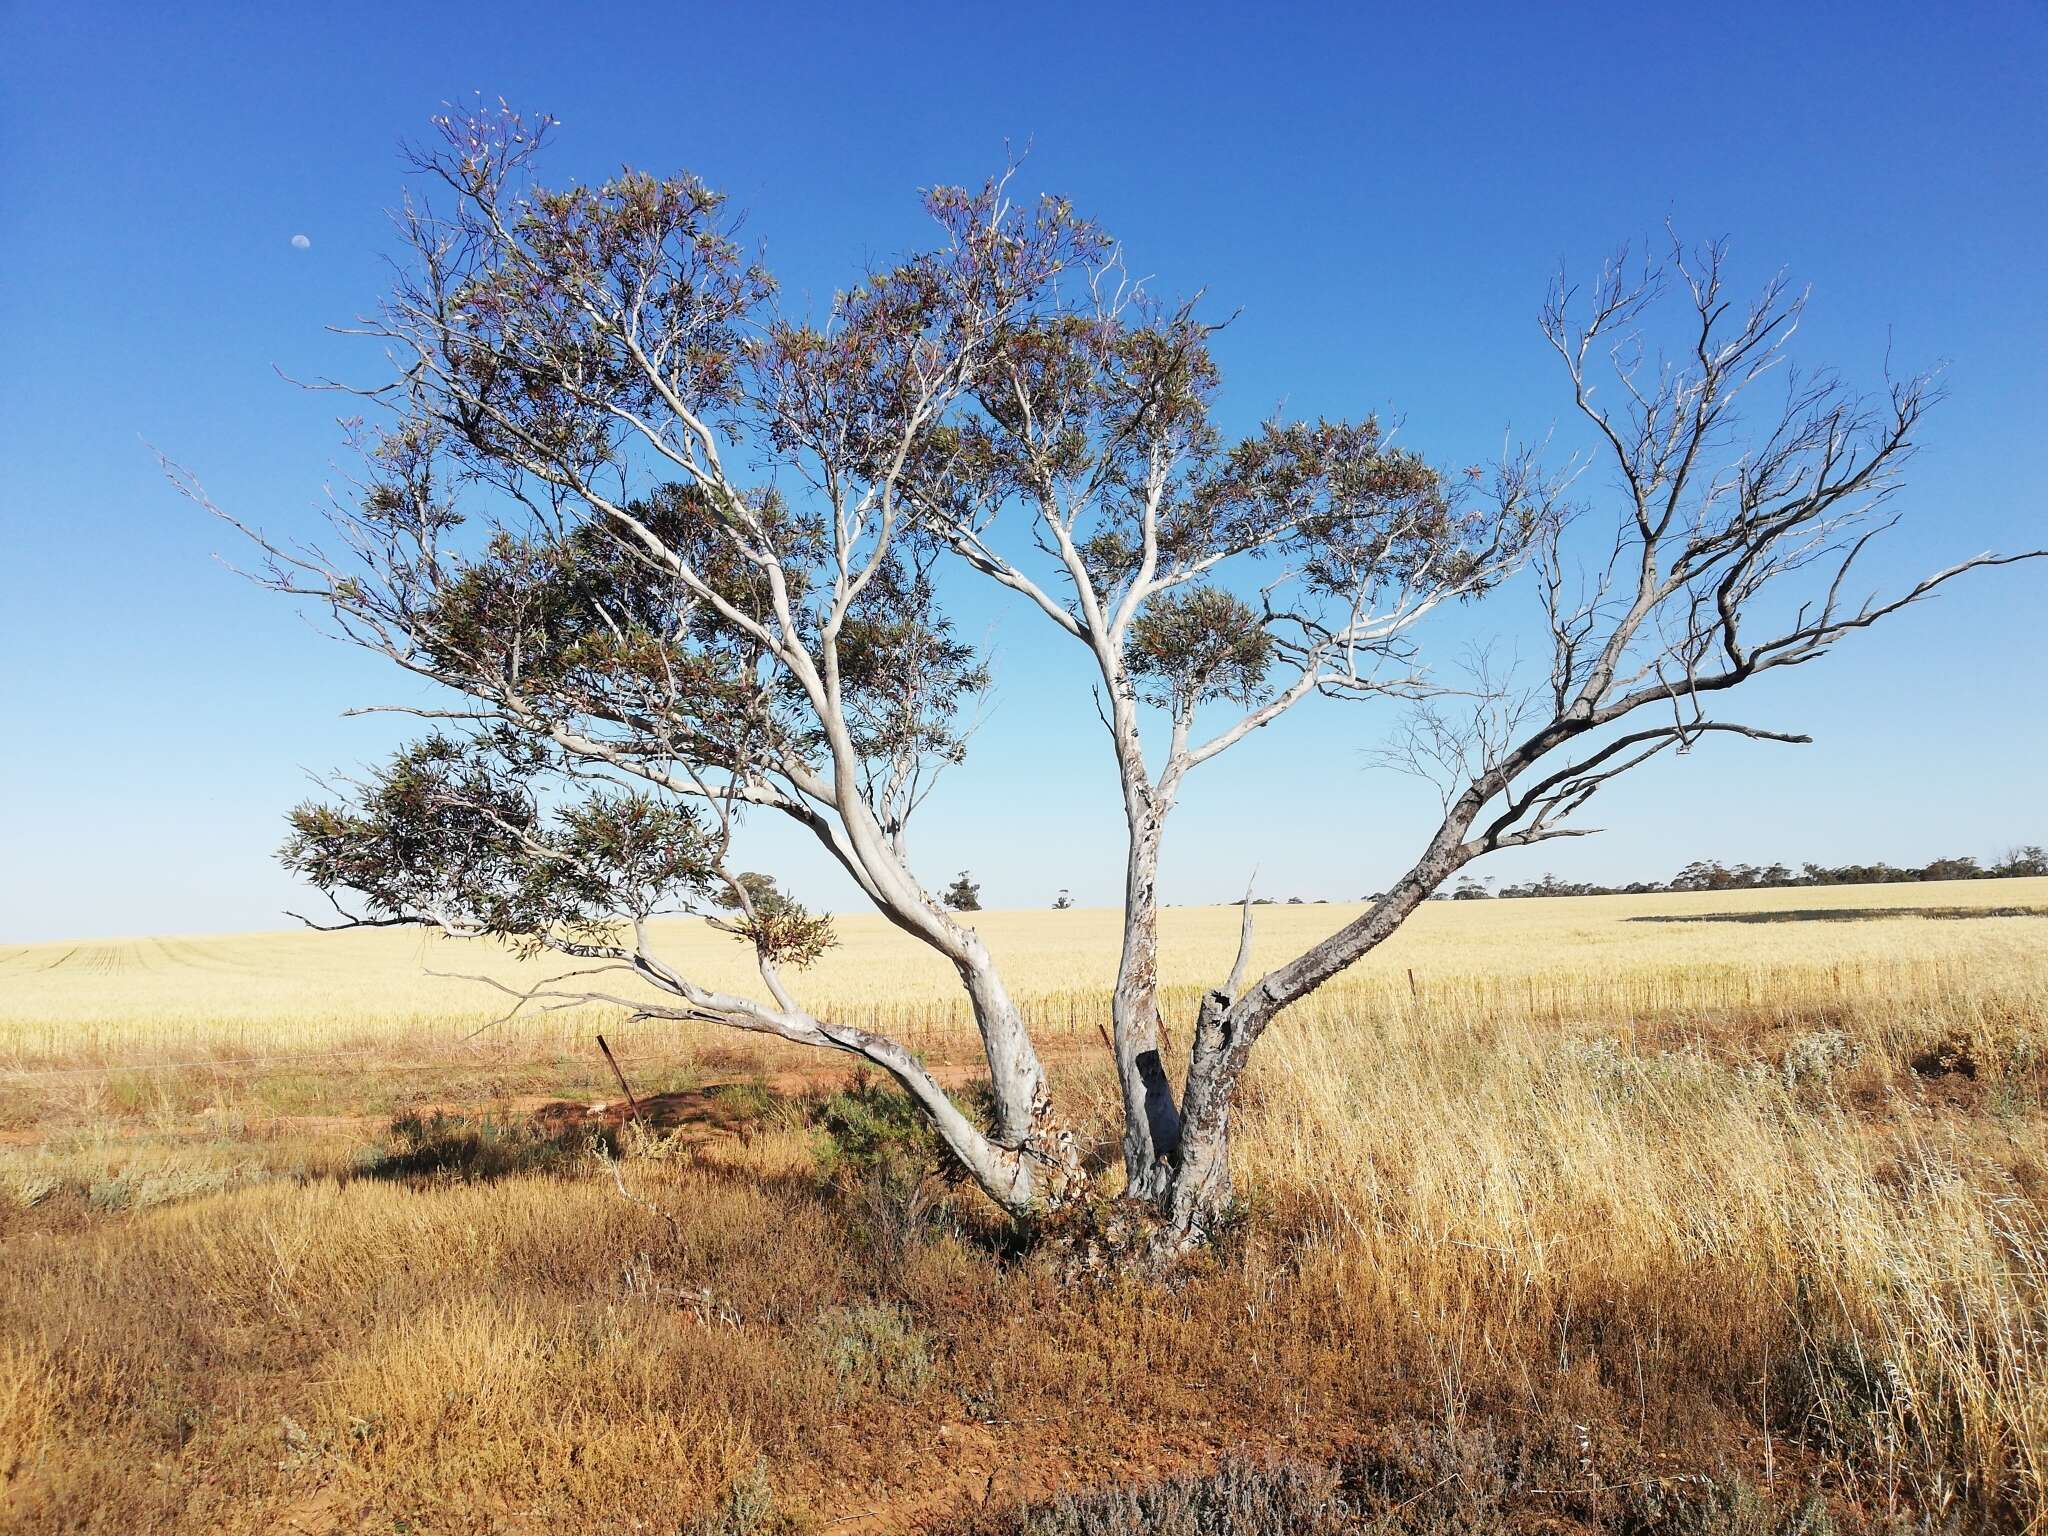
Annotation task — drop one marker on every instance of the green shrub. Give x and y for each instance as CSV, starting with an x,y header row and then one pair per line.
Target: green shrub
x,y
1705,1506
869,1127
116,1192
1430,1484
1241,1498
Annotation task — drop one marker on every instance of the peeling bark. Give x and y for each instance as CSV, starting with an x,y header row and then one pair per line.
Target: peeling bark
x,y
1200,1190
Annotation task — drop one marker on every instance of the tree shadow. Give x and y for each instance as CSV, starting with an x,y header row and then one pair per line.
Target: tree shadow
x,y
441,1146
908,1197
1840,914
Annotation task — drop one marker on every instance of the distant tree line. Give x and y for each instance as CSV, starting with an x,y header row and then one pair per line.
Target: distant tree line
x,y
1713,875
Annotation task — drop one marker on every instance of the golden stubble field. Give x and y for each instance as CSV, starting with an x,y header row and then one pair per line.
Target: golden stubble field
x,y
1708,1213
1606,958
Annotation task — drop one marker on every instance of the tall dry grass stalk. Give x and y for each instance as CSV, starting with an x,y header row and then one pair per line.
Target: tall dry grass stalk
x,y
1751,1198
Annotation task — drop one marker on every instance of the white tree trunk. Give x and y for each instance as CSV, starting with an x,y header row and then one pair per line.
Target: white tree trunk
x,y
1048,1162
1152,1122
1200,1190
1227,1027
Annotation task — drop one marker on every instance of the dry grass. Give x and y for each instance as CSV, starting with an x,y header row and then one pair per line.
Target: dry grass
x,y
1599,1212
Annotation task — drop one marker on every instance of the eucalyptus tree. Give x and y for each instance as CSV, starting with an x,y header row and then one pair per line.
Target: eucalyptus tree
x,y
639,643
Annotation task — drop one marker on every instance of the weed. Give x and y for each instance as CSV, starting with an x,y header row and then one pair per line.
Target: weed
x,y
874,1348
747,1509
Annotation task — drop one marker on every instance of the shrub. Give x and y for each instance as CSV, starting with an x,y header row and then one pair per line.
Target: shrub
x,y
1815,1058
874,1348
1241,1498
748,1509
1707,1506
116,1192
867,1127
1473,1484
32,1188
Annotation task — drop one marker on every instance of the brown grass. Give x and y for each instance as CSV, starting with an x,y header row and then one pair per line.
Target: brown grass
x,y
1643,1227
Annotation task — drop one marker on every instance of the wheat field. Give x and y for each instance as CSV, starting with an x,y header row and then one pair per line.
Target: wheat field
x,y
1713,1213
1606,958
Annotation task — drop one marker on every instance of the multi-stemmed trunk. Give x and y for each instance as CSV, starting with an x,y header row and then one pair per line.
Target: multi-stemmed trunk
x,y
1199,1193
1177,1151
1176,1154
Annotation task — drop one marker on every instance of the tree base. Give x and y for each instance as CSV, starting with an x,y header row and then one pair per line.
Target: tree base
x,y
1094,1241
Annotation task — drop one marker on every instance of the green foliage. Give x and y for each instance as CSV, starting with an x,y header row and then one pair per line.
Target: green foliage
x,y
869,1127
1705,1506
963,895
1349,507
143,1188
903,675
886,1166
702,633
748,1509
750,1099
1437,1485
753,888
585,621
1241,1498
779,927
1713,875
454,833
1198,644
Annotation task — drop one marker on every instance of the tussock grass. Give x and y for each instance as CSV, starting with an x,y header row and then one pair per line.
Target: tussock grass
x,y
1645,1227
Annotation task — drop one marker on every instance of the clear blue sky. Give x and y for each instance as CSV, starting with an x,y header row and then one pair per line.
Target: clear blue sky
x,y
1381,191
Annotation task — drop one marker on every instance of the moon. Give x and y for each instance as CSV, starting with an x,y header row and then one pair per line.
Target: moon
x,y
301,243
